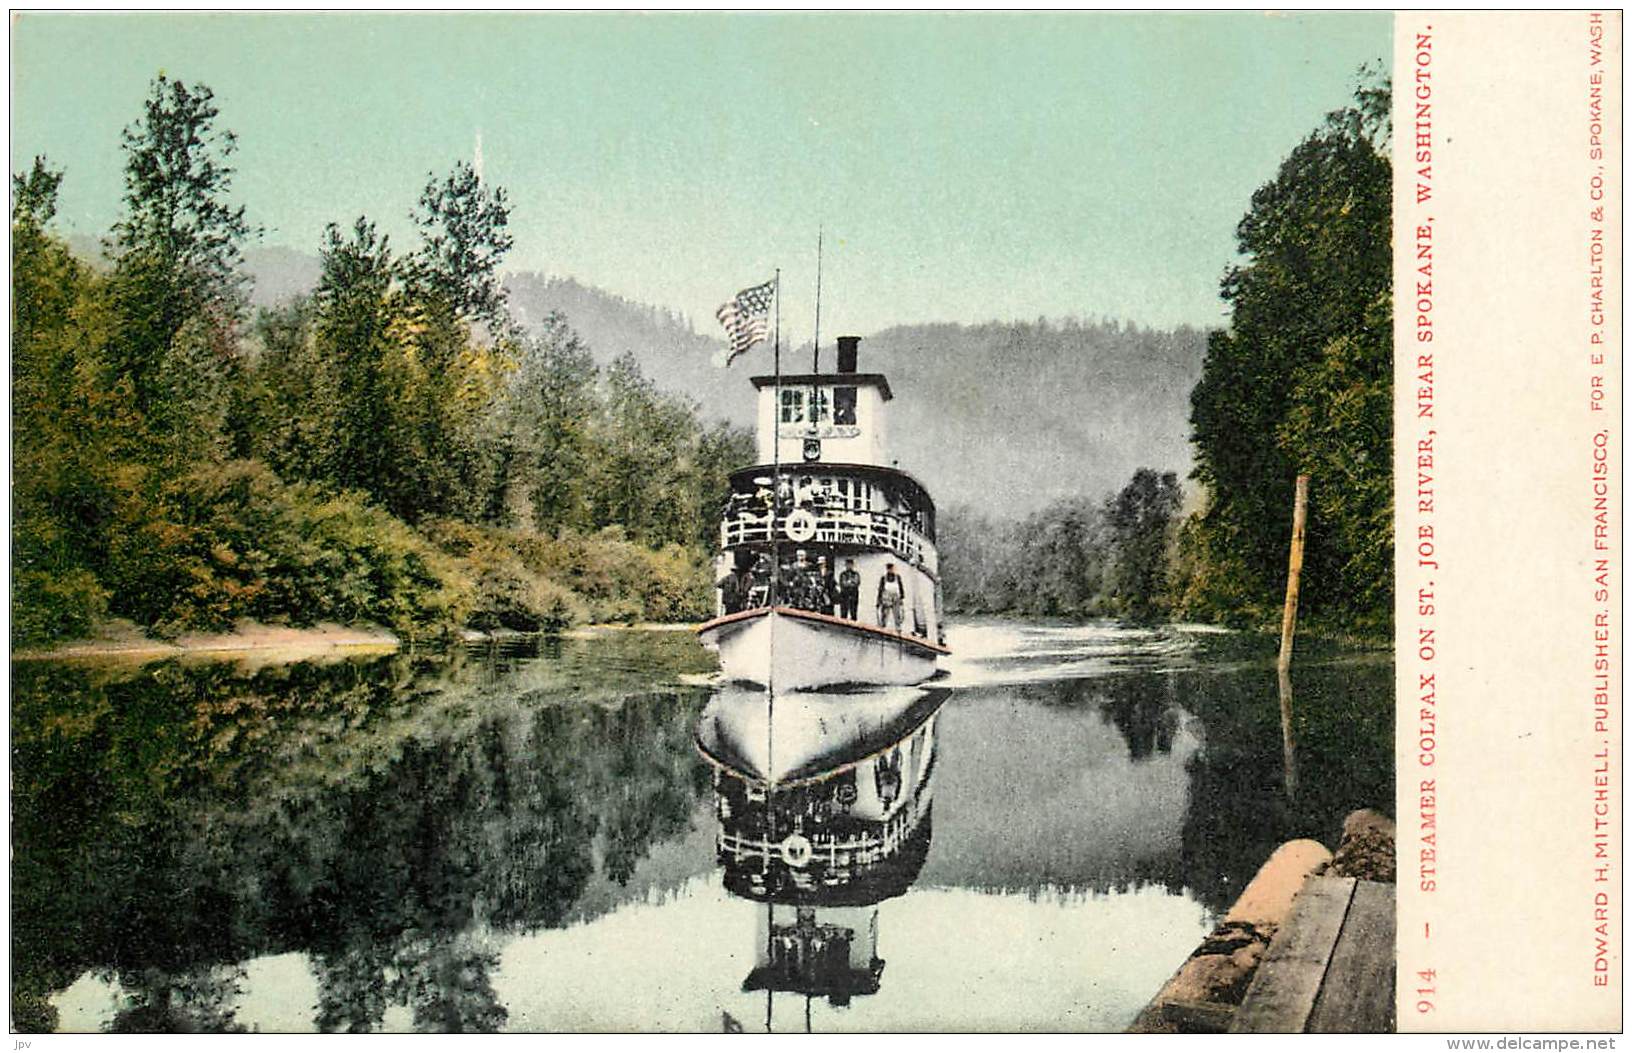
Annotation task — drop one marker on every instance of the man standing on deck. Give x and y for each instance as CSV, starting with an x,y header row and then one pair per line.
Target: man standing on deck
x,y
892,594
849,590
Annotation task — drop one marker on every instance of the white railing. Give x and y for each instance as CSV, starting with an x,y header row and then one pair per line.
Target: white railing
x,y
833,526
832,853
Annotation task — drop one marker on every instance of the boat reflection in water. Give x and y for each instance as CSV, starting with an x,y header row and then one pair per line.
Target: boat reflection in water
x,y
824,809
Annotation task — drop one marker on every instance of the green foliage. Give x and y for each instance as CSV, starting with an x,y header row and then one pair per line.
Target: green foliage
x,y
178,468
529,581
1301,382
178,287
462,224
56,606
72,424
1075,558
233,541
509,590
550,408
1139,521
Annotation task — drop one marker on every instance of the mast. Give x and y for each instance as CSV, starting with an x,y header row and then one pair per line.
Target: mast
x,y
776,439
816,345
773,599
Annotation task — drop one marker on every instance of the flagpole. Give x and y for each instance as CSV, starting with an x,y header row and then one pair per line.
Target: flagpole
x,y
770,631
776,433
816,346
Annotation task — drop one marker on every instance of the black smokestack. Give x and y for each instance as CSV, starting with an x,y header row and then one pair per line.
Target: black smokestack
x,y
848,348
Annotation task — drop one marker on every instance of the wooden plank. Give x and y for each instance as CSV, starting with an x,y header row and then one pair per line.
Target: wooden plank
x,y
1358,992
1198,1018
1283,990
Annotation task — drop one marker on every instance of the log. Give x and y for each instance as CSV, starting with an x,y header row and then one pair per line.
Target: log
x,y
1217,973
1284,989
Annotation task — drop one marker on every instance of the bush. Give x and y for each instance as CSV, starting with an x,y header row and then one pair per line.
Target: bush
x,y
506,593
46,606
233,541
530,581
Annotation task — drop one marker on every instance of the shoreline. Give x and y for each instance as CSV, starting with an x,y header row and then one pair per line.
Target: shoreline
x,y
125,640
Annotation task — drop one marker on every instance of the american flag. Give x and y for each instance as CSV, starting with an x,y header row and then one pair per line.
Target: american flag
x,y
746,318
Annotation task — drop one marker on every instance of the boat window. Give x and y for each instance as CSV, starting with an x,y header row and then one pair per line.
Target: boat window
x,y
819,412
793,405
844,405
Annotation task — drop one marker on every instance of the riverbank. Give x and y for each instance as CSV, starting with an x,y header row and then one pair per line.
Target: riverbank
x,y
121,639
124,639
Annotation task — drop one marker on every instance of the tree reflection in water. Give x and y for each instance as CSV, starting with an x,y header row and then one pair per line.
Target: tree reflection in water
x,y
385,816
414,839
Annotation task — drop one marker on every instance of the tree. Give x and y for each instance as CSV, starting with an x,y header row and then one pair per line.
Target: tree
x,y
67,423
1140,523
462,225
645,459
354,317
551,407
1318,271
178,282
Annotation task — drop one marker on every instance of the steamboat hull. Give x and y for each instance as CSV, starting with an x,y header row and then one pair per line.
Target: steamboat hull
x,y
813,651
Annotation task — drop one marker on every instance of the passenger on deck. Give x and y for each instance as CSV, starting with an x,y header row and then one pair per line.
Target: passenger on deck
x,y
731,594
892,594
849,590
830,588
790,586
805,493
759,589
810,596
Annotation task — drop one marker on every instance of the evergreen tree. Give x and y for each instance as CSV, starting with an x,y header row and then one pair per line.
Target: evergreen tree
x,y
1140,522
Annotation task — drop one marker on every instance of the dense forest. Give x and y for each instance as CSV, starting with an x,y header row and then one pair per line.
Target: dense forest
x,y
406,439
1075,558
1300,382
393,447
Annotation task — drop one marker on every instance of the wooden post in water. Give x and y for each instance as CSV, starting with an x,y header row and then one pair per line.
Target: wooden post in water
x,y
1294,573
1289,625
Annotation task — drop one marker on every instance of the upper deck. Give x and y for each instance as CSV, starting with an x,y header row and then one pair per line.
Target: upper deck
x,y
836,417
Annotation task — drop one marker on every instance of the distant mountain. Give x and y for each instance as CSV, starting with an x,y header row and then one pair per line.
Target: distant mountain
x,y
276,274
669,349
1001,416
1007,416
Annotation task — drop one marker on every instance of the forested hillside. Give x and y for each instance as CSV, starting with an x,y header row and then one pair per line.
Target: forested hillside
x,y
1001,416
390,448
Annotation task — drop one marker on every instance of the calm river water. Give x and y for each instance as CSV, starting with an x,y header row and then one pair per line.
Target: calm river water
x,y
525,838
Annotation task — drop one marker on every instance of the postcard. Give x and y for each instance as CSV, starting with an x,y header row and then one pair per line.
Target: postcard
x,y
709,522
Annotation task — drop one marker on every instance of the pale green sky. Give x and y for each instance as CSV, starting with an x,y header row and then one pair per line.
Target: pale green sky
x,y
967,167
